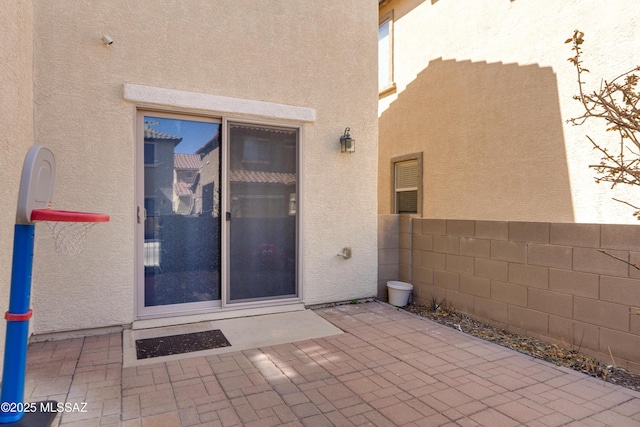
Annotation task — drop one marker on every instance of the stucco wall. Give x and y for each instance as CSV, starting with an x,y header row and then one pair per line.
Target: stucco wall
x,y
287,52
484,90
16,124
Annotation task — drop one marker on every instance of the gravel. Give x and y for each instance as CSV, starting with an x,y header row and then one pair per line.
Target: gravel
x,y
554,353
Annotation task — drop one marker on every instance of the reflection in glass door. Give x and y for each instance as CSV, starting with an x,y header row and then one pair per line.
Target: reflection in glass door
x,y
262,179
181,216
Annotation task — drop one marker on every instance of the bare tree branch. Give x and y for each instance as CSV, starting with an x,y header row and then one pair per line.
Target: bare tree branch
x,y
616,103
620,259
626,203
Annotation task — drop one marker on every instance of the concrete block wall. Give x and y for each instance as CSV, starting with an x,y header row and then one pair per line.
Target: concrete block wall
x,y
567,283
394,250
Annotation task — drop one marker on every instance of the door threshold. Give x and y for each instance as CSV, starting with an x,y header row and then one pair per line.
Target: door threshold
x,y
216,315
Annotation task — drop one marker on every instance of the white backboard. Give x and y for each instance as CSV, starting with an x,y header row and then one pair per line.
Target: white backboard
x,y
36,183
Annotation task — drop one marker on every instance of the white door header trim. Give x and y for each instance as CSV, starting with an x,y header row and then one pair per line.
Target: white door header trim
x,y
150,95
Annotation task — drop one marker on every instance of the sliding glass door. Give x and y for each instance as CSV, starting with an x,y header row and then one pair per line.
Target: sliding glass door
x,y
262,212
180,212
214,204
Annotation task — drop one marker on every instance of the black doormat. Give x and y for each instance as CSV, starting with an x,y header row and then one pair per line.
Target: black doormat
x,y
178,344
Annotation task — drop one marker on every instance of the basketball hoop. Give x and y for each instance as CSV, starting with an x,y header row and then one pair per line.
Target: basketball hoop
x,y
69,228
69,231
34,204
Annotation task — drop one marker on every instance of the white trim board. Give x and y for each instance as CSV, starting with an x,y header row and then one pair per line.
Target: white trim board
x,y
224,105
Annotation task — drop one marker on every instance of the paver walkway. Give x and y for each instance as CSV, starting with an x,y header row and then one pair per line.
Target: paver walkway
x,y
389,368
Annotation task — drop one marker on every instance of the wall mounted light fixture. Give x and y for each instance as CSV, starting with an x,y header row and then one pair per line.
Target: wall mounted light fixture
x,y
347,144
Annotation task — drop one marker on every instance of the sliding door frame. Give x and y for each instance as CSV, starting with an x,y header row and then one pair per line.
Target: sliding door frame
x,y
224,304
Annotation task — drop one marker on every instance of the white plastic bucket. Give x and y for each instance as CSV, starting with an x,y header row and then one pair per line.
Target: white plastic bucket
x,y
399,293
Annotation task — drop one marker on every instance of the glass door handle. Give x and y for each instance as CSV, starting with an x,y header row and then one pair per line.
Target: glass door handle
x,y
142,215
228,216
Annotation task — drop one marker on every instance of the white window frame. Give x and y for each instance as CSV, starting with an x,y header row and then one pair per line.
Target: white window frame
x,y
389,86
395,190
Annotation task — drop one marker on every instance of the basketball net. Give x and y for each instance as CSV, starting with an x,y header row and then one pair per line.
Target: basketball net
x,y
68,237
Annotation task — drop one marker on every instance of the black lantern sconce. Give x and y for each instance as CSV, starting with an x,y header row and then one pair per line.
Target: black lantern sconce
x,y
347,144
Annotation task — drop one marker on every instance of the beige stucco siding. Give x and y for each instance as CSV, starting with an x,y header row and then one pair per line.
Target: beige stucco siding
x,y
484,90
16,124
294,53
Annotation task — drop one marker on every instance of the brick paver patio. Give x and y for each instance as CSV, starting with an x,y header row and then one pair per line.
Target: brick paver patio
x,y
389,368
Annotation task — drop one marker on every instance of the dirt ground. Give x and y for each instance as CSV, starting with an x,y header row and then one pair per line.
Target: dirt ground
x,y
559,355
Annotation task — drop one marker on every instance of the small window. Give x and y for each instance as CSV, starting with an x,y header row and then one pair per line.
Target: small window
x,y
406,185
256,151
385,53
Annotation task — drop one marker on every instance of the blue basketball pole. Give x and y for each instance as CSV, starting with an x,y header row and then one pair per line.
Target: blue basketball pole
x,y
16,340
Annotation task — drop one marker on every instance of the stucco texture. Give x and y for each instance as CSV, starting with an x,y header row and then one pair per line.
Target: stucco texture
x,y
16,122
287,52
484,90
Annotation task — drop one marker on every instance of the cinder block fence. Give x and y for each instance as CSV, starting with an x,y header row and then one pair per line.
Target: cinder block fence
x,y
573,284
